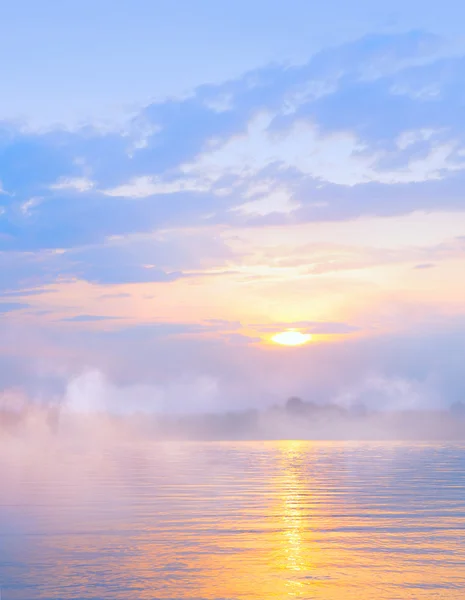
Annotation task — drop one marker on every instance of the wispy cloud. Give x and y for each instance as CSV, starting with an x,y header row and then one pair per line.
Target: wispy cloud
x,y
79,184
268,201
88,318
6,307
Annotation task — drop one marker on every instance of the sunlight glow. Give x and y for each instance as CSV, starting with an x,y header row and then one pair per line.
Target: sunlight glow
x,y
291,338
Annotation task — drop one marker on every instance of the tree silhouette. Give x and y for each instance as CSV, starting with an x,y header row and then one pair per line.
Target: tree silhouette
x,y
295,405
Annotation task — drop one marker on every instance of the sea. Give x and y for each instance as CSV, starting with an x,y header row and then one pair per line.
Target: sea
x,y
273,520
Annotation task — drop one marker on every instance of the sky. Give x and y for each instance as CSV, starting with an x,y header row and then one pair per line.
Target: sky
x,y
181,181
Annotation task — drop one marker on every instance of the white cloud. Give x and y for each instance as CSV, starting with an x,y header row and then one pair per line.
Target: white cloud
x,y
277,201
338,158
80,184
407,138
142,187
3,192
29,204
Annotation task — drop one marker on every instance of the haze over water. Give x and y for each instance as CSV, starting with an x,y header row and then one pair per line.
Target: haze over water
x,y
227,520
232,221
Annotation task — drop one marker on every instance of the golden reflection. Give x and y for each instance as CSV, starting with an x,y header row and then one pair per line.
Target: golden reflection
x,y
299,555
292,505
249,521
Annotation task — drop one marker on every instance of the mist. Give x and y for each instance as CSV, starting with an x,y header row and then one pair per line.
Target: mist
x,y
93,408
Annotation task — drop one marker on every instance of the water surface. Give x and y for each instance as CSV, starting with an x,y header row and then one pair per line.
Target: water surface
x,y
245,520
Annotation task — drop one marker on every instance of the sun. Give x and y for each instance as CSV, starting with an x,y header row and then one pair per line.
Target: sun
x,y
291,338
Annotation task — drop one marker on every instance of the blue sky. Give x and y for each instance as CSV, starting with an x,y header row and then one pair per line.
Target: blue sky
x,y
179,181
84,60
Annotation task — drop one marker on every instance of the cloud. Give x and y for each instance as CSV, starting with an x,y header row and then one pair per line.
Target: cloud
x,y
160,329
373,128
316,327
28,206
350,132
80,184
25,293
115,296
142,187
417,367
6,307
158,258
88,318
224,324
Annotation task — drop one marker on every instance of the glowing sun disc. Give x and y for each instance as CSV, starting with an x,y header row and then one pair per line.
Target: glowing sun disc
x,y
291,338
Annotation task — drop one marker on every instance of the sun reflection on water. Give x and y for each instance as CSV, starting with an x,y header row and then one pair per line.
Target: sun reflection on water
x,y
251,521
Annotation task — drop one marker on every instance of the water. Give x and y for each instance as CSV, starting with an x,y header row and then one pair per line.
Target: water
x,y
246,520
